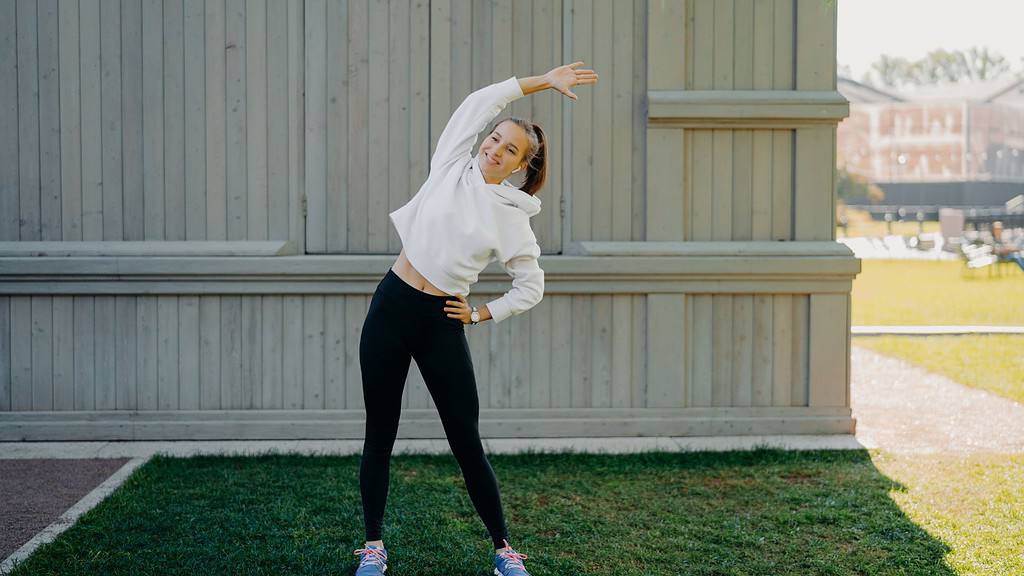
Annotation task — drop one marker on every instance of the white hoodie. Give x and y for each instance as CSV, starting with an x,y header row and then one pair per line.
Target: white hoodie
x,y
457,223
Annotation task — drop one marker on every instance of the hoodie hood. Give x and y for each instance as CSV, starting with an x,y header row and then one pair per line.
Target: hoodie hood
x,y
525,202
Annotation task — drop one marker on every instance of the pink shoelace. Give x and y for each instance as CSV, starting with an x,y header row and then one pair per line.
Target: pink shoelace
x,y
514,558
372,555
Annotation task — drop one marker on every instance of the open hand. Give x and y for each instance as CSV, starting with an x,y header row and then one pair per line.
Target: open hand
x,y
567,76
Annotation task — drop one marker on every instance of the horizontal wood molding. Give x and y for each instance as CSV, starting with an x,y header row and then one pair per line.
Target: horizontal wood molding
x,y
190,248
420,423
612,267
744,108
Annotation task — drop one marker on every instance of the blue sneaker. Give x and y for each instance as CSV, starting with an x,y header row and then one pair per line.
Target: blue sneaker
x,y
509,562
372,561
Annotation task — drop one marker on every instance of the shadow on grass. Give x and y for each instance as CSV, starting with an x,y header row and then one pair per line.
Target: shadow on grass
x,y
754,512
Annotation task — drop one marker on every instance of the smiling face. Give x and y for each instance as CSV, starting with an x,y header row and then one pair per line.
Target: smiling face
x,y
502,151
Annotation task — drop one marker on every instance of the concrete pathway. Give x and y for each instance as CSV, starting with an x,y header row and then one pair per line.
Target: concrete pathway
x,y
932,330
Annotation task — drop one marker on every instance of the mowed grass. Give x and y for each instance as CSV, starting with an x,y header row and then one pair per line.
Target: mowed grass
x,y
901,292
994,363
910,292
753,512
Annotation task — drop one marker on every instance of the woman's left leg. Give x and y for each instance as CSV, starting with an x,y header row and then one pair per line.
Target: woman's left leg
x,y
446,365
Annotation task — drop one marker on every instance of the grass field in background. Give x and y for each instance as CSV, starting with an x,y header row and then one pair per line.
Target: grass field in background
x,y
753,512
879,229
994,363
915,292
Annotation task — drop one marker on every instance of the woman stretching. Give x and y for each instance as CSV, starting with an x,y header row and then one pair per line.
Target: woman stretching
x,y
463,217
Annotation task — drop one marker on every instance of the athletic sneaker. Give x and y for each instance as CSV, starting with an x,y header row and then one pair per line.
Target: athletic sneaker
x,y
509,563
372,562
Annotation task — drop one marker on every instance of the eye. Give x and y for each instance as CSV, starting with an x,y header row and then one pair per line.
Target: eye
x,y
495,138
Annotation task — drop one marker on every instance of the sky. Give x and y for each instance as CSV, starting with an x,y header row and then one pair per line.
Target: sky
x,y
912,28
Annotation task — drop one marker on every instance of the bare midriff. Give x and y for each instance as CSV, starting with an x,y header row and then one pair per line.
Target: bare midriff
x,y
405,270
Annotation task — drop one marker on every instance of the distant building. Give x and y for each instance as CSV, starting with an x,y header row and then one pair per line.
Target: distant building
x,y
950,145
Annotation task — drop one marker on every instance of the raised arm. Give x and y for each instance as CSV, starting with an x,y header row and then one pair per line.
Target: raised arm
x,y
483,105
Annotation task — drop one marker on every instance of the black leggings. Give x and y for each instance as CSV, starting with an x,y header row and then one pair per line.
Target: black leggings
x,y
406,323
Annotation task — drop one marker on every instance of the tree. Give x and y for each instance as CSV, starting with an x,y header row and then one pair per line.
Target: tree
x,y
850,185
938,66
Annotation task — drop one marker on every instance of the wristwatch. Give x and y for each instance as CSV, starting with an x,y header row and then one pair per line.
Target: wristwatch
x,y
474,316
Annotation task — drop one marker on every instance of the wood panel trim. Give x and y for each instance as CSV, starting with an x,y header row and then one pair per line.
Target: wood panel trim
x,y
117,248
744,108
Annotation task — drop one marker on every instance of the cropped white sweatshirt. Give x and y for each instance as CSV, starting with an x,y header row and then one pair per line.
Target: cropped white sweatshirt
x,y
457,223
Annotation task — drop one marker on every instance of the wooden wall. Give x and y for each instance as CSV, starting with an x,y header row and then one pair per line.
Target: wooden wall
x,y
693,285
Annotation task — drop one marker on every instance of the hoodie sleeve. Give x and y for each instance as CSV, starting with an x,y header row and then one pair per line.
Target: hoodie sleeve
x,y
470,118
527,285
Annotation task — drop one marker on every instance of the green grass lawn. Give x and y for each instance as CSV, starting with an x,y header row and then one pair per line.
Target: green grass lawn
x,y
893,292
755,512
994,363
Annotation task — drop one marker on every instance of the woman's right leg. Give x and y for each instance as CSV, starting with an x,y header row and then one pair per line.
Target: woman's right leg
x,y
384,362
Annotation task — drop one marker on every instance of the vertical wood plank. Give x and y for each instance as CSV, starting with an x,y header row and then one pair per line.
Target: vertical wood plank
x,y
153,121
763,354
188,352
194,78
666,341
6,365
398,121
581,350
256,119
561,350
273,374
623,350
519,362
293,344
174,120
801,344
603,110
761,186
325,117
498,351
296,125
666,45
639,168
28,150
582,121
701,357
742,349
209,352
359,126
277,121
167,352
816,46
216,123
91,157
231,352
620,50
42,353
147,342
132,140
700,167
374,224
126,360
63,353
105,335
252,348
783,45
540,345
782,184
21,352
70,121
601,351
334,352
235,120
813,185
313,351
8,129
721,350
828,350
50,202
442,101
665,212
419,93
356,308
85,352
638,366
111,124
782,350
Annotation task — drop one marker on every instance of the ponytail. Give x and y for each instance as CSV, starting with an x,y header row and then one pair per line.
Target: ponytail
x,y
537,166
